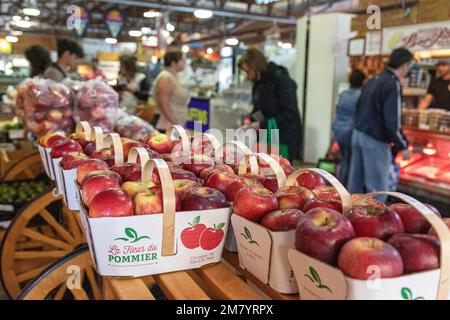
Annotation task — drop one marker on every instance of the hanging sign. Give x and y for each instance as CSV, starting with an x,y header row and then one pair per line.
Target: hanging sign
x,y
114,20
78,20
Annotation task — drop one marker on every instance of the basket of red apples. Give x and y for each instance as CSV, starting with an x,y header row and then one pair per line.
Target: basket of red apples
x,y
150,226
373,251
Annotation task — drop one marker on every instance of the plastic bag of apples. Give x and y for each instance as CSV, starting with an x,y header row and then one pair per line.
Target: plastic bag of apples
x,y
372,251
97,102
151,226
46,106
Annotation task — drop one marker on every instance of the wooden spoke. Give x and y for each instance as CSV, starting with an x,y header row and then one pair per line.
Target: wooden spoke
x,y
73,226
40,237
28,173
60,293
56,226
79,294
27,275
29,245
130,289
90,273
29,167
39,254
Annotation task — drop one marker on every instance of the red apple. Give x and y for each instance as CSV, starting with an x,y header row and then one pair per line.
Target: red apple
x,y
197,163
362,258
130,144
106,155
151,201
371,201
271,183
321,233
160,143
212,237
52,139
80,138
238,184
293,197
89,148
375,221
190,237
180,174
126,169
111,203
203,198
182,186
220,180
134,187
282,220
254,203
88,166
64,148
325,193
433,232
413,221
97,181
419,252
72,160
316,203
205,173
310,180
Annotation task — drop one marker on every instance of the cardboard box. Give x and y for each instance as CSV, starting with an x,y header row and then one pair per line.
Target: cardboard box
x,y
46,161
320,281
143,245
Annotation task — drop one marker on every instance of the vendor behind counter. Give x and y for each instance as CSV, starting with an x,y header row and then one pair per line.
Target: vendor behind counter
x,y
438,95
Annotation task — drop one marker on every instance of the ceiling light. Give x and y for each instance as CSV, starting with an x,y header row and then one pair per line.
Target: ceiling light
x,y
23,24
135,33
34,12
232,41
11,39
152,14
170,27
209,51
26,18
185,49
16,18
203,14
170,39
16,33
150,41
146,30
111,40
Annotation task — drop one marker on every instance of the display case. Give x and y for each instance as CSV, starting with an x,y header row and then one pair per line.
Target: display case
x,y
426,170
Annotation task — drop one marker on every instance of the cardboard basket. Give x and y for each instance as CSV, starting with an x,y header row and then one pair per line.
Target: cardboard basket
x,y
320,281
45,157
143,245
263,252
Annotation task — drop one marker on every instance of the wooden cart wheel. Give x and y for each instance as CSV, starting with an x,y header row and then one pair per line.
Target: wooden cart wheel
x,y
72,277
28,168
41,234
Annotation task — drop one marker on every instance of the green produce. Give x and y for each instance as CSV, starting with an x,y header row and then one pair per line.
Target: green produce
x,y
24,191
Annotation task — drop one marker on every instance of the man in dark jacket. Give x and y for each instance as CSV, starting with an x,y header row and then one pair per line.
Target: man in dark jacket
x,y
274,97
378,126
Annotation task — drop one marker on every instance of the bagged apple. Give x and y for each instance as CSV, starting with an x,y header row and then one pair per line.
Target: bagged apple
x,y
133,127
46,105
173,150
97,103
147,235
404,267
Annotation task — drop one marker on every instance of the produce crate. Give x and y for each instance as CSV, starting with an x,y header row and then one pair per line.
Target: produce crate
x,y
15,195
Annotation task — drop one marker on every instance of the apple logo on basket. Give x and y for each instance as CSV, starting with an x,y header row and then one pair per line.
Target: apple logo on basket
x,y
198,235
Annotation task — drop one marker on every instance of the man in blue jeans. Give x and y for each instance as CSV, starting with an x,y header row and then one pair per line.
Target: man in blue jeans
x,y
378,127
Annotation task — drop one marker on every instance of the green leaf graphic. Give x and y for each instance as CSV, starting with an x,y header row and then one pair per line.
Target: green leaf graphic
x,y
220,226
407,294
123,239
130,232
324,287
196,220
140,238
247,233
254,242
244,236
419,298
309,277
315,275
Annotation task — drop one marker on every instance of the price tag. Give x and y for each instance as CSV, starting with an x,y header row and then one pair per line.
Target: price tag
x,y
6,207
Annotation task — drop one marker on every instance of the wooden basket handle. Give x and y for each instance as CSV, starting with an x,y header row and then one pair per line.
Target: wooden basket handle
x,y
254,168
169,205
346,198
143,156
441,229
184,136
113,139
98,136
274,166
84,127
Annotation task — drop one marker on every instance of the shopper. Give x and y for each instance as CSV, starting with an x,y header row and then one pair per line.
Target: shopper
x,y
345,121
132,87
438,94
274,97
378,126
39,59
68,52
171,97
96,72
